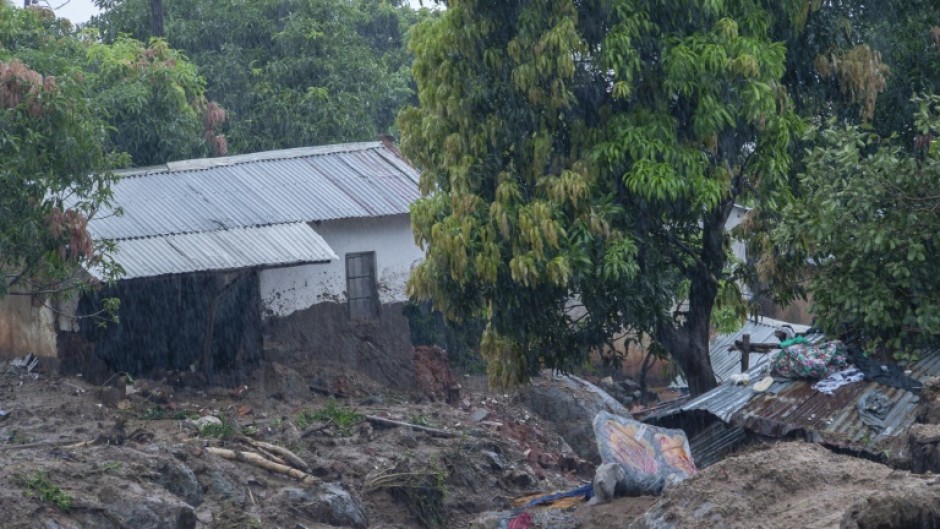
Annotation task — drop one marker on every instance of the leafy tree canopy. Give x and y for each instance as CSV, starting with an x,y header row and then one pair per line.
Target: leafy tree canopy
x,y
51,151
152,97
865,176
290,72
867,223
72,109
580,161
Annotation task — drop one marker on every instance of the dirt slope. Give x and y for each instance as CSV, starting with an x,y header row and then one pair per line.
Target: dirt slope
x,y
798,485
143,465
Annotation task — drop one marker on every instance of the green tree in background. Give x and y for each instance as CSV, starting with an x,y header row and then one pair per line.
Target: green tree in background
x,y
72,109
580,161
290,73
54,173
854,235
152,97
863,236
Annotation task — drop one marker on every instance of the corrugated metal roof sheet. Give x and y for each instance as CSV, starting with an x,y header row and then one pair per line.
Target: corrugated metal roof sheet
x,y
727,362
282,244
276,187
792,406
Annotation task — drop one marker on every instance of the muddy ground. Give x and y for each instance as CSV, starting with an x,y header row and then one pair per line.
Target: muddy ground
x,y
130,454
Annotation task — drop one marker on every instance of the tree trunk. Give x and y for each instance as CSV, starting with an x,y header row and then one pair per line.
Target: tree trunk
x,y
687,342
156,18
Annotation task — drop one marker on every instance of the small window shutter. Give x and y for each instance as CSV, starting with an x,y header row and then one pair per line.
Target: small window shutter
x,y
361,288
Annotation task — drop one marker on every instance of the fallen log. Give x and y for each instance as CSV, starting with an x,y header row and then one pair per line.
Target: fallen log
x,y
259,461
430,431
293,459
282,453
270,457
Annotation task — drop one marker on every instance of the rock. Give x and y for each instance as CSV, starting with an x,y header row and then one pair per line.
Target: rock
x,y
142,514
570,404
479,414
220,485
204,421
330,504
494,460
924,443
407,438
179,479
609,482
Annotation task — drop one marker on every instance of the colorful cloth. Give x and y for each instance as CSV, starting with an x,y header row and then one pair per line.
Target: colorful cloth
x,y
801,359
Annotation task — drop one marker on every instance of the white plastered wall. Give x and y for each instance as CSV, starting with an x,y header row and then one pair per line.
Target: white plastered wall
x,y
286,290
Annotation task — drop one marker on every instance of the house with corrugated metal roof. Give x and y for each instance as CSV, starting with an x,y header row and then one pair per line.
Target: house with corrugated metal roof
x,y
294,255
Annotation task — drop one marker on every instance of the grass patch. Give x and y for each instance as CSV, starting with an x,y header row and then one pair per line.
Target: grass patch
x,y
421,487
342,417
16,438
38,485
225,430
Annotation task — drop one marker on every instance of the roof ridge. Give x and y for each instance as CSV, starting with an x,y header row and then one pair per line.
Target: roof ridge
x,y
197,232
197,164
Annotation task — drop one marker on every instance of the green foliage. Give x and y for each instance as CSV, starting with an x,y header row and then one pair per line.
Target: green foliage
x,y
579,162
342,417
72,109
291,73
55,175
224,430
151,97
861,61
867,221
422,487
38,485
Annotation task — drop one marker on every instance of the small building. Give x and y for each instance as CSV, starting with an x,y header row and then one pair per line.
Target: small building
x,y
297,255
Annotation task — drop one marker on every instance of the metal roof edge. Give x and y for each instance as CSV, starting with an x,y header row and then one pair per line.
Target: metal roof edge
x,y
280,154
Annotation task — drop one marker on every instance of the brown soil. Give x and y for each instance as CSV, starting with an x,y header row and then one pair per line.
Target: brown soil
x,y
144,454
141,442
798,485
618,513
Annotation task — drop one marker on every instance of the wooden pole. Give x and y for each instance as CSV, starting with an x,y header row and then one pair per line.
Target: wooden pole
x,y
746,353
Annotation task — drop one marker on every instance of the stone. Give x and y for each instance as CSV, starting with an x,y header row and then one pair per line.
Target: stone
x,y
179,479
479,414
223,487
142,515
407,438
924,444
329,503
494,460
570,403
